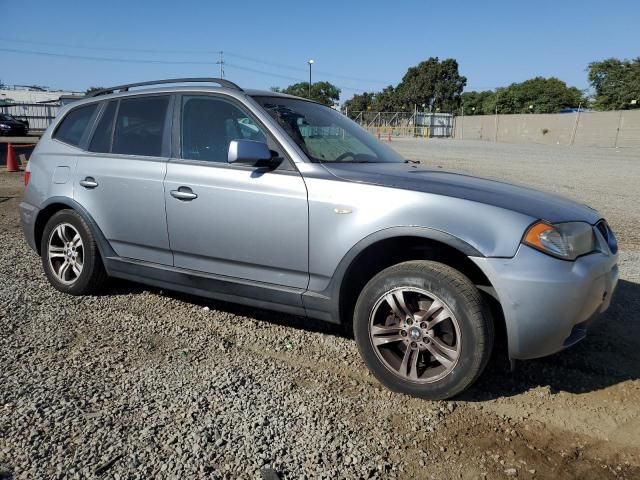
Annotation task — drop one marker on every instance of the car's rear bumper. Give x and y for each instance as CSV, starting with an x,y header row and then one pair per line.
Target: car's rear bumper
x,y
28,215
548,303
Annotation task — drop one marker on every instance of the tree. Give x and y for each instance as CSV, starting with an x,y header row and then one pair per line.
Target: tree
x,y
616,83
386,101
536,95
359,103
322,92
477,103
433,83
90,90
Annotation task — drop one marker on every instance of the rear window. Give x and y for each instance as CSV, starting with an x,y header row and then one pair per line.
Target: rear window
x,y
73,126
140,125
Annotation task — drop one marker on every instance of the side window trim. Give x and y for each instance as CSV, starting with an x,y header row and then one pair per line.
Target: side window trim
x,y
176,152
113,127
102,111
93,121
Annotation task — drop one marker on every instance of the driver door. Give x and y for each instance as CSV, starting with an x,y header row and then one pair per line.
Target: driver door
x,y
239,221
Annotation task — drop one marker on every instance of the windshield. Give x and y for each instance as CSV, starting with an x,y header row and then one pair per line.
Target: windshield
x,y
324,134
5,117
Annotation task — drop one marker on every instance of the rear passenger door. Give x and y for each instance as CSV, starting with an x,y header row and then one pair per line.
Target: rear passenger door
x,y
120,182
241,221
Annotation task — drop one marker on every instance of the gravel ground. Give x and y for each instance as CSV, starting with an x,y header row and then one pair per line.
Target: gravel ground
x,y
144,383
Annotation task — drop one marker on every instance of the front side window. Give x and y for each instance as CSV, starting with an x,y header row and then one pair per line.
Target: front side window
x,y
73,126
209,124
140,125
324,134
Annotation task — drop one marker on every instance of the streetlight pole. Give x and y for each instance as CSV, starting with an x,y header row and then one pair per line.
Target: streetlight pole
x,y
310,62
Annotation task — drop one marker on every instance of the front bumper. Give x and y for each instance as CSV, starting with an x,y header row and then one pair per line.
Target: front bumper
x,y
548,303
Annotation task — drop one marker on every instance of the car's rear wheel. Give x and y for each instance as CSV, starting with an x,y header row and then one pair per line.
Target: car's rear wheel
x,y
422,329
70,255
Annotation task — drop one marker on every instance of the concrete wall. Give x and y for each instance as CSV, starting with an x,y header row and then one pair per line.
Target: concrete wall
x,y
594,129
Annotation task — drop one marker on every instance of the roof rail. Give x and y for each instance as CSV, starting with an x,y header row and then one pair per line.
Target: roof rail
x,y
124,88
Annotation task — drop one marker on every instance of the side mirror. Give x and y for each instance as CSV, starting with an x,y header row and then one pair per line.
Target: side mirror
x,y
248,152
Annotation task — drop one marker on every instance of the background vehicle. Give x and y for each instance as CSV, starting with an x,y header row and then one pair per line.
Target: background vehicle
x,y
282,203
11,126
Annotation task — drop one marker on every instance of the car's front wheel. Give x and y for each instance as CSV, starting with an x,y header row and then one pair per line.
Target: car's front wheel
x,y
70,255
422,329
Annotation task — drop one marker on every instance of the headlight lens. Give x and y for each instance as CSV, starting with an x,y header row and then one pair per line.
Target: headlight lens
x,y
563,240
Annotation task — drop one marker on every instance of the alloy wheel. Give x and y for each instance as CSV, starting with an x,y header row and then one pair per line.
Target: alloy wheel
x,y
415,335
66,253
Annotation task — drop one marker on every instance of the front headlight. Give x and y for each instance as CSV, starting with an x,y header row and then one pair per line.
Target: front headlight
x,y
563,240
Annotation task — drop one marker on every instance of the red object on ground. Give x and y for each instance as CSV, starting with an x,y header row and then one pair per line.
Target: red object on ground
x,y
389,136
378,134
12,164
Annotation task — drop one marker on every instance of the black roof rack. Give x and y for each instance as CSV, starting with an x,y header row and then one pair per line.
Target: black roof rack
x,y
123,88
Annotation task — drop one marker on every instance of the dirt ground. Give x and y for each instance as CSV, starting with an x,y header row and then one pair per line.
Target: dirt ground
x,y
575,415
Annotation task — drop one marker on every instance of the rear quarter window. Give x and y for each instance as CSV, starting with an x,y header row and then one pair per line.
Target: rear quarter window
x,y
74,124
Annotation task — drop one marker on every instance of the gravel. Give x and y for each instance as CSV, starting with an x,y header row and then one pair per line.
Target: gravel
x,y
143,383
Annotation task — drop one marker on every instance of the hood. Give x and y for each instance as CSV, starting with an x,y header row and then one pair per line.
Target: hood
x,y
534,203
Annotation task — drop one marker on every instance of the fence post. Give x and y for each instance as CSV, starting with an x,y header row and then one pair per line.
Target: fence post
x,y
496,136
575,126
615,143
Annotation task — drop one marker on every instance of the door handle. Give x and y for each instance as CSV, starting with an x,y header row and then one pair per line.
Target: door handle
x,y
183,193
89,182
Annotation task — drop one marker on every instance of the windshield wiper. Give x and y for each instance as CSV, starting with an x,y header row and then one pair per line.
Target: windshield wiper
x,y
411,161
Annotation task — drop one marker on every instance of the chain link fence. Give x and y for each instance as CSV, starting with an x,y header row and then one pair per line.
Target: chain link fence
x,y
405,124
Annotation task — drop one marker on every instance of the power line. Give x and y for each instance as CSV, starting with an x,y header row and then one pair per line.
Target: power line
x,y
160,62
200,52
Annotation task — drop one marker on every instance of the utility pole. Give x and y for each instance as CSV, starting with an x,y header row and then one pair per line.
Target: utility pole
x,y
221,63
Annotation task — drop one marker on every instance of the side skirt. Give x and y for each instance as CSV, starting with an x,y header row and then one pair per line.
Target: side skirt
x,y
260,295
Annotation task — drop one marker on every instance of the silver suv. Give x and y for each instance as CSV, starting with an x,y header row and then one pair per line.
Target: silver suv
x,y
279,202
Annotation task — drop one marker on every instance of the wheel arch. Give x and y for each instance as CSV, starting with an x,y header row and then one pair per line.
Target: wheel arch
x,y
394,245
54,205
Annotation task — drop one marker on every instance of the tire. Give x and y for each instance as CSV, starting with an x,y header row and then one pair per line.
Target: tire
x,y
418,346
84,273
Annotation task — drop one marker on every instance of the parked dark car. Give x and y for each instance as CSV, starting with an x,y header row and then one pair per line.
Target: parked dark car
x,y
11,126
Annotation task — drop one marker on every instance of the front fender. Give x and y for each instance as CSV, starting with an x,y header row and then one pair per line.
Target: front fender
x,y
324,302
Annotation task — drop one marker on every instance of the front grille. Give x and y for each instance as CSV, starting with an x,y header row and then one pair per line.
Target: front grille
x,y
608,235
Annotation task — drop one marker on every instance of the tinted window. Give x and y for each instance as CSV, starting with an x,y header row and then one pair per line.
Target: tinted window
x,y
208,126
140,125
74,124
101,141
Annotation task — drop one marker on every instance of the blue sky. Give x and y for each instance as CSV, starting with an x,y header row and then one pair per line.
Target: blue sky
x,y
356,45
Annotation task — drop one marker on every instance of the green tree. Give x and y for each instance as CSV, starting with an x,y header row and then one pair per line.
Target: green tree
x,y
536,95
433,83
359,103
616,83
322,92
386,101
477,103
90,90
